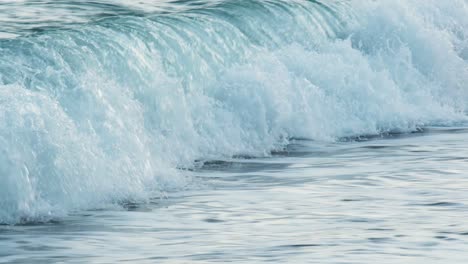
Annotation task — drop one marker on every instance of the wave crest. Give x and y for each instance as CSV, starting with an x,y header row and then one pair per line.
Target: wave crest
x,y
105,111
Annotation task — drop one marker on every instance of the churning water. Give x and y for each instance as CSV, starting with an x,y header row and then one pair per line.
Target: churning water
x,y
238,130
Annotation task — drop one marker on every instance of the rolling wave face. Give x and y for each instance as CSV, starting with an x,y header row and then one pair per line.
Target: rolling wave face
x,y
104,112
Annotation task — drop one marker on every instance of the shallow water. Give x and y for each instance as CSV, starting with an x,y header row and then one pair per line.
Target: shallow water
x,y
398,198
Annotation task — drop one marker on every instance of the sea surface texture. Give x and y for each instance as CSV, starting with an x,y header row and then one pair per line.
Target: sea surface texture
x,y
247,131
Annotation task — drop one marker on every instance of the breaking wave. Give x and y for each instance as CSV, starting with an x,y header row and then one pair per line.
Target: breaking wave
x,y
105,111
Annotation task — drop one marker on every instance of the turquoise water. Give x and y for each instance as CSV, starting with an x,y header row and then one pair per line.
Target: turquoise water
x,y
246,131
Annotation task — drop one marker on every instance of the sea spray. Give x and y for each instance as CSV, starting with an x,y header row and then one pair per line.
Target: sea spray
x,y
103,112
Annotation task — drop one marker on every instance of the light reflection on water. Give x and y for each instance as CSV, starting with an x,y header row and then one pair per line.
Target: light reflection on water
x,y
397,199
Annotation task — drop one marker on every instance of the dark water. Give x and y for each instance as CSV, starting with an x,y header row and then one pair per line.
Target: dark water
x,y
233,131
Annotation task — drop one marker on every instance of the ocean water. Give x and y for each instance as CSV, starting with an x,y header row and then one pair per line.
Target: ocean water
x,y
234,131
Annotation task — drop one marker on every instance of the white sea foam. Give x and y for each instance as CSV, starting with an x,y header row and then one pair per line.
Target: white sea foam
x,y
105,112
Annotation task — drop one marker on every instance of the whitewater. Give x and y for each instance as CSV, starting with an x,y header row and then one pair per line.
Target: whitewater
x,y
110,106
